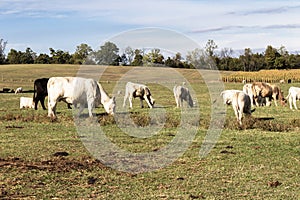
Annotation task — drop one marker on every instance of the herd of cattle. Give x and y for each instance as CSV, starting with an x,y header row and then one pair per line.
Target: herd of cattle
x,y
89,93
258,94
84,92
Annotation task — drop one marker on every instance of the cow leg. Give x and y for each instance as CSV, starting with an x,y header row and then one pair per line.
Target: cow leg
x,y
181,102
80,109
130,101
42,100
147,99
125,98
256,101
177,101
291,102
90,107
141,102
36,101
295,103
275,99
268,102
237,114
52,109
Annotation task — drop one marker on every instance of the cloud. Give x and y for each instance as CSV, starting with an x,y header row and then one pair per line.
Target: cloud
x,y
270,9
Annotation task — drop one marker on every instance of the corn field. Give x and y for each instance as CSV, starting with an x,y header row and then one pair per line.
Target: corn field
x,y
271,76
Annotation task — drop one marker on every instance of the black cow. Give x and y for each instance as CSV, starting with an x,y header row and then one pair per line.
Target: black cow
x,y
40,92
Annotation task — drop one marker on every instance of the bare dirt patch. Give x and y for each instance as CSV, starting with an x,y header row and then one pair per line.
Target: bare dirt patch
x,y
55,164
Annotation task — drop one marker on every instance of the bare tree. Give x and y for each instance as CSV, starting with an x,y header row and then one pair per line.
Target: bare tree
x,y
2,49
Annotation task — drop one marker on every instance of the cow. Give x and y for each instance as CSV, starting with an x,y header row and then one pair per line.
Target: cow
x,y
293,96
182,93
19,90
133,90
247,88
241,103
77,90
40,92
228,95
26,102
268,91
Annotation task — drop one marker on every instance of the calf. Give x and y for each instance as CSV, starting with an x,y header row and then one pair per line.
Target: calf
x,y
293,96
26,102
241,104
182,93
133,90
19,90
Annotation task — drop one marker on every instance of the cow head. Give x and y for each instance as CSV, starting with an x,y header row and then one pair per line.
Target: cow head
x,y
148,96
281,98
110,106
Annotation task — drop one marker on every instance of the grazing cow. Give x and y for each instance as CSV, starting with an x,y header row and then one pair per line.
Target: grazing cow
x,y
26,102
247,88
76,90
228,95
241,104
268,91
133,90
182,93
293,96
19,90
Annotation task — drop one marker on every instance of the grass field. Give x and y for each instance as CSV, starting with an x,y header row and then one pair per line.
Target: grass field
x,y
44,159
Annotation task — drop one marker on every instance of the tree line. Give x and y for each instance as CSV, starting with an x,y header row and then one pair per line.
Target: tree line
x,y
209,56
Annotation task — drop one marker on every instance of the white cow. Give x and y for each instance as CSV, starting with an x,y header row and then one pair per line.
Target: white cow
x,y
182,93
26,102
241,104
76,90
133,90
228,95
293,96
19,90
247,88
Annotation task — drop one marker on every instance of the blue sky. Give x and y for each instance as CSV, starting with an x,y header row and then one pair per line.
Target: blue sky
x,y
41,24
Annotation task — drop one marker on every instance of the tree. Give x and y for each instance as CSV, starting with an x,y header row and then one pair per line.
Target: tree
x,y
60,57
2,49
225,59
199,59
28,56
270,57
14,56
138,58
210,47
129,53
81,54
43,59
108,54
124,59
154,57
246,59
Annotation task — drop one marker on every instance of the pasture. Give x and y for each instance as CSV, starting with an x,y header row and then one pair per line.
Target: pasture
x,y
45,159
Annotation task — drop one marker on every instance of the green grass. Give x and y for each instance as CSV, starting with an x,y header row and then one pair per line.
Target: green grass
x,y
260,160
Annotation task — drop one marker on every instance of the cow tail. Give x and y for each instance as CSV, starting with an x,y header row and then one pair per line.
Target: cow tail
x,y
288,96
34,92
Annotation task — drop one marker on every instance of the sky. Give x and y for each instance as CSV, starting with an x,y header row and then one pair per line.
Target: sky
x,y
236,24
